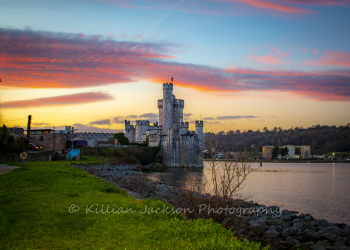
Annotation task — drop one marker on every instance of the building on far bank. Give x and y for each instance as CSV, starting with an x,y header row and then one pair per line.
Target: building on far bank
x,y
16,131
304,152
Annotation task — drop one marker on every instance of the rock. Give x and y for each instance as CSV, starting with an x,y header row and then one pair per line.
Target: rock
x,y
272,222
257,228
311,235
293,242
296,221
302,216
329,236
323,243
345,231
339,244
308,217
307,245
323,222
290,231
317,247
330,229
314,223
271,233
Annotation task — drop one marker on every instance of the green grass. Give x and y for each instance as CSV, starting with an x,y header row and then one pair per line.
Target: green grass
x,y
34,214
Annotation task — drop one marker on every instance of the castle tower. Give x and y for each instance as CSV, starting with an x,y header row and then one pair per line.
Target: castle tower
x,y
140,130
166,112
199,132
129,131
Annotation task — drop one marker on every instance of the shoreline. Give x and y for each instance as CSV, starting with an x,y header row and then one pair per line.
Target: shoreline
x,y
268,225
282,161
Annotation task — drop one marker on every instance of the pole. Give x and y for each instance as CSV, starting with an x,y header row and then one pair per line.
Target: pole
x,y
29,125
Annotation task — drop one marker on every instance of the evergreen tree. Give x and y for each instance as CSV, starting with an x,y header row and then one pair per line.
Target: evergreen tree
x,y
274,153
121,138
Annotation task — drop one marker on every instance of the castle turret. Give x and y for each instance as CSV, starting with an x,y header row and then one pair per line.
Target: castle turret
x,y
129,131
199,132
168,108
140,130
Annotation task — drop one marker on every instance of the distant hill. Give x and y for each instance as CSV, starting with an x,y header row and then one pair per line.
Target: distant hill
x,y
322,139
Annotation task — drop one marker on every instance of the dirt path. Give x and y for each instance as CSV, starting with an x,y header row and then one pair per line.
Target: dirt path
x,y
4,169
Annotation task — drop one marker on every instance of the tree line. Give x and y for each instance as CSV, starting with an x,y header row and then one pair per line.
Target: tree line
x,y
322,139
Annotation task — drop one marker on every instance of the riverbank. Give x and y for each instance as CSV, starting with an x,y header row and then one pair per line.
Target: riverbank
x,y
269,225
283,161
51,205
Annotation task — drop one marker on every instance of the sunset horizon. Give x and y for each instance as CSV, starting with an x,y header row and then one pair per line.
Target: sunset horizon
x,y
238,65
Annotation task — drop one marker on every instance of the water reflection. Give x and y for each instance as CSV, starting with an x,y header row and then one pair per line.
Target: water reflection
x,y
304,187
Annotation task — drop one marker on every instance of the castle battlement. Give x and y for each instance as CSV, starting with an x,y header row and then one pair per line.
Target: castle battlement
x,y
189,137
168,86
178,103
184,125
142,122
199,123
93,134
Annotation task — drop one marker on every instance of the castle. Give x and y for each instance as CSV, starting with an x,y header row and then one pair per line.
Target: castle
x,y
179,147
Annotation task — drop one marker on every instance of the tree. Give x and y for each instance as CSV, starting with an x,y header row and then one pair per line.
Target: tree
x,y
275,152
284,151
5,133
121,138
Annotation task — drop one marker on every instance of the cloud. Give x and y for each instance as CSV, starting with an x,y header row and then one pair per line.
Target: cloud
x,y
118,119
315,51
280,52
101,122
40,124
331,85
305,50
232,7
149,115
318,2
88,128
63,100
332,58
235,117
61,60
268,59
208,118
187,115
273,6
132,116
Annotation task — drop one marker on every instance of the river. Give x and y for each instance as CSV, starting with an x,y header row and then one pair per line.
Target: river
x,y
320,189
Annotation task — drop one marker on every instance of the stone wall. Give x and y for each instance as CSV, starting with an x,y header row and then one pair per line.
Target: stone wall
x,y
50,142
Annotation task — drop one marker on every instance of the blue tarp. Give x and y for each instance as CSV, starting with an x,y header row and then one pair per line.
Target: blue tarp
x,y
73,155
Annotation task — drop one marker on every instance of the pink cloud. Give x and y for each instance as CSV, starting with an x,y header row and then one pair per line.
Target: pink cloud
x,y
232,7
315,51
49,60
268,59
63,100
318,2
280,52
332,58
272,6
305,50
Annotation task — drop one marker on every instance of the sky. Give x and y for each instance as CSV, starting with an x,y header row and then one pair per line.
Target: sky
x,y
238,64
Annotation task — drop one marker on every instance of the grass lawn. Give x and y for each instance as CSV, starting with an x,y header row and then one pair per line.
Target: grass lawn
x,y
45,205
